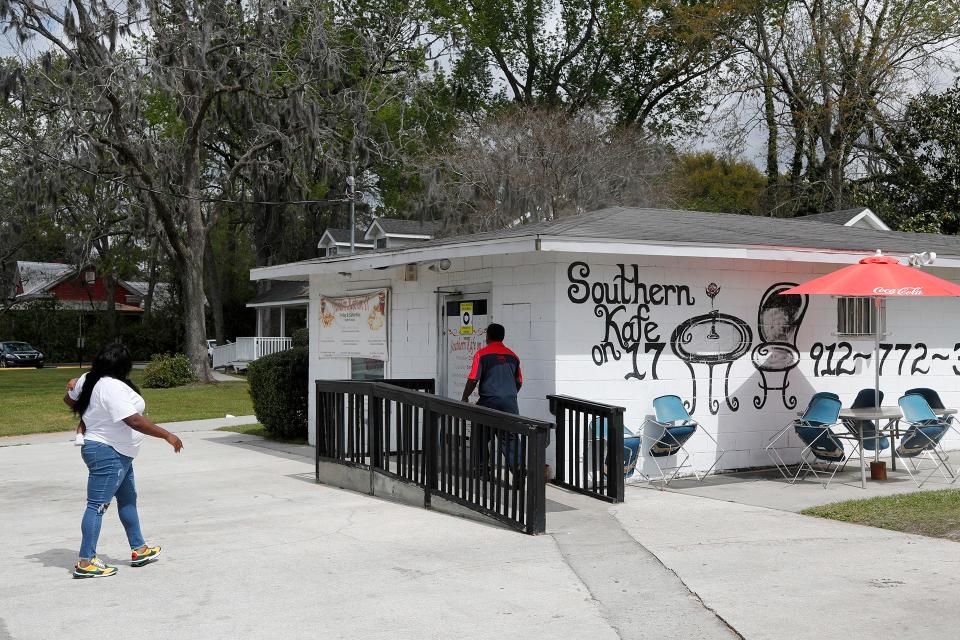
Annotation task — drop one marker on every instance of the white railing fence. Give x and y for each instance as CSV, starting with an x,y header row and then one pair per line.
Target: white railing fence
x,y
248,350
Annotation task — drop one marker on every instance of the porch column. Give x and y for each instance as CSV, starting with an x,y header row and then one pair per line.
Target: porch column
x,y
283,322
259,321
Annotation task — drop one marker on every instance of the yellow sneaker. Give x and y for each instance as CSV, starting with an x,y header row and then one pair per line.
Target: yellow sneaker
x,y
96,569
140,557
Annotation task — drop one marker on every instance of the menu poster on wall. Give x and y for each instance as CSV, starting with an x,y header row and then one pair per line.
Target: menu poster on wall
x,y
354,326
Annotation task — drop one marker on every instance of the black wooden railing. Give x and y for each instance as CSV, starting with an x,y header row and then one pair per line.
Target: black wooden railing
x,y
590,454
485,460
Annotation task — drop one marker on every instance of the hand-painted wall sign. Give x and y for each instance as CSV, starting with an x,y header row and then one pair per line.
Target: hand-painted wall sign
x,y
711,339
778,322
839,358
625,305
628,309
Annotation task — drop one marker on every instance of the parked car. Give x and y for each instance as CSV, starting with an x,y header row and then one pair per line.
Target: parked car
x,y
211,343
20,354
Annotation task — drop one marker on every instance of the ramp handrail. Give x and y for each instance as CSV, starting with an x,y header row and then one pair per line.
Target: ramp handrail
x,y
589,447
485,460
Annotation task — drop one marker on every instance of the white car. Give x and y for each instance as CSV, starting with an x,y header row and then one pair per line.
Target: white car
x,y
210,345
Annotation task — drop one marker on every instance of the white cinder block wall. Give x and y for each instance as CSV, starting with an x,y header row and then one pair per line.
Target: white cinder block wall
x,y
521,297
555,338
928,325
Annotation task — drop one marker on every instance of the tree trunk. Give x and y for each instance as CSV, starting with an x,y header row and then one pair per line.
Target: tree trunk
x,y
151,279
214,292
194,316
110,280
194,298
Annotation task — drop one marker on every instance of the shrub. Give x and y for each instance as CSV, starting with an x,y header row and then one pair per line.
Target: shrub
x,y
278,387
301,338
165,371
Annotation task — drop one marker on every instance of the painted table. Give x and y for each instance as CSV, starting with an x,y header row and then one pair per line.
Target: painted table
x,y
712,339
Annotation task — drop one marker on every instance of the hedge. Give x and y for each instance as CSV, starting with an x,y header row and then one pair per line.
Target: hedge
x,y
165,371
301,338
278,387
54,330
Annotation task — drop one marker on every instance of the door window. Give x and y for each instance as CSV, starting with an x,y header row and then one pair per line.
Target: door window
x,y
465,333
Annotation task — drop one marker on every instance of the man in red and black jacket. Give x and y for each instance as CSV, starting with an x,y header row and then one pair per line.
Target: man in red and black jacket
x,y
497,370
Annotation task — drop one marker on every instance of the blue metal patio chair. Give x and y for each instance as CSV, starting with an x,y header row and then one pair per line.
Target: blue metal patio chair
x,y
931,396
631,446
922,439
873,439
771,441
673,428
822,444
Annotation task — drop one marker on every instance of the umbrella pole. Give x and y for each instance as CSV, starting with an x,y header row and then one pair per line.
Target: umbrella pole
x,y
876,384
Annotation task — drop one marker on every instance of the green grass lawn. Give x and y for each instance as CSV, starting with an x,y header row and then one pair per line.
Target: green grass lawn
x,y
31,401
927,513
260,430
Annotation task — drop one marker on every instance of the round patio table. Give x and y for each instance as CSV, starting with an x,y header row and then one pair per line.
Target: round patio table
x,y
892,415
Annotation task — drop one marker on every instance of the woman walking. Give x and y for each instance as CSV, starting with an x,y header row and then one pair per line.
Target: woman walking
x,y
111,410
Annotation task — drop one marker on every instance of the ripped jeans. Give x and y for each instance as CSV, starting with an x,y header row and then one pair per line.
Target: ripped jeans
x,y
111,475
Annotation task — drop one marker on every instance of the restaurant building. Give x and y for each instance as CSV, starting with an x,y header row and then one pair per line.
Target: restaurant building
x,y
623,305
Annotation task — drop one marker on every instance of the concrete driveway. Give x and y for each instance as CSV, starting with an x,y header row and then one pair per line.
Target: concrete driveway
x,y
254,549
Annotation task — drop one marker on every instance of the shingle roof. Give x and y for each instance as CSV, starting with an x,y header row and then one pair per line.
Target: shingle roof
x,y
162,291
342,236
37,276
668,226
408,227
834,217
696,227
283,291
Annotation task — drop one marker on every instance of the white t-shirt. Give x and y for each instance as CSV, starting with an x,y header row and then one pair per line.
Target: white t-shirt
x,y
112,401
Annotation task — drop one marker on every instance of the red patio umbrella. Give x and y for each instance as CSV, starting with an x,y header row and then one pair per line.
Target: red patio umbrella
x,y
878,277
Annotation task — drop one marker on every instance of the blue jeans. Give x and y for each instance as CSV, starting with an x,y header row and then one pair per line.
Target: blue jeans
x,y
111,475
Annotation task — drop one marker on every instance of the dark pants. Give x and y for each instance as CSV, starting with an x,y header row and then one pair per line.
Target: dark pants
x,y
507,444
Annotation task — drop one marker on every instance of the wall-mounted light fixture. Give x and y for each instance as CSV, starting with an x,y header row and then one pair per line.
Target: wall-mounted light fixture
x,y
440,265
923,259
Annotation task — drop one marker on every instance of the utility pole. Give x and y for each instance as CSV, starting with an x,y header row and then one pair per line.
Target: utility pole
x,y
351,195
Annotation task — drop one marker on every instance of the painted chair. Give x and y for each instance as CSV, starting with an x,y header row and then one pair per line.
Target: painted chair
x,y
873,439
776,354
821,445
931,396
672,429
922,440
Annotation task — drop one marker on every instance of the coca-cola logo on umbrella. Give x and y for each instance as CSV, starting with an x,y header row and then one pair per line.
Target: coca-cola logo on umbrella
x,y
902,291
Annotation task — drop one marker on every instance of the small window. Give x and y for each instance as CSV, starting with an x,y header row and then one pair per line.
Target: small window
x,y
366,369
858,316
332,251
381,243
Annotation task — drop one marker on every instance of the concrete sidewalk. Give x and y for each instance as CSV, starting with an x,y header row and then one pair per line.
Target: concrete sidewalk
x,y
254,549
776,574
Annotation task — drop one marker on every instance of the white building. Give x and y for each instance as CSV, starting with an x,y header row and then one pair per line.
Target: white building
x,y
391,233
623,305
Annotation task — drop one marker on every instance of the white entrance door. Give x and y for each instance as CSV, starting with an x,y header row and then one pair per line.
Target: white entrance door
x,y
464,327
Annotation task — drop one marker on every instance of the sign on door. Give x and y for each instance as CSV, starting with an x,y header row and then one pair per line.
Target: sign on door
x,y
465,332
